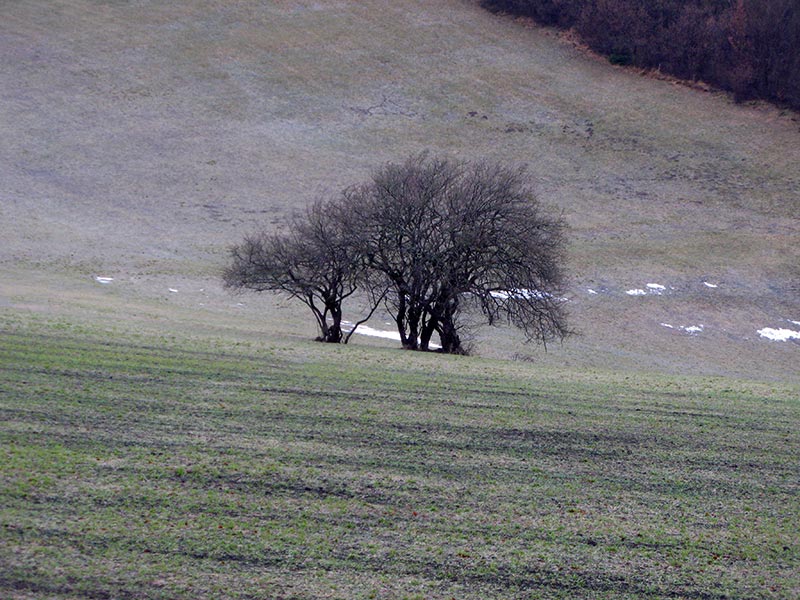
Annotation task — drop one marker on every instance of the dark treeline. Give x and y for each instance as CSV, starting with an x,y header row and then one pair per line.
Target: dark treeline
x,y
749,47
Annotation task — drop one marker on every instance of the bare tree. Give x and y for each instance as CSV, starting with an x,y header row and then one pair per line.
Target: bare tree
x,y
311,261
442,243
505,257
398,237
449,237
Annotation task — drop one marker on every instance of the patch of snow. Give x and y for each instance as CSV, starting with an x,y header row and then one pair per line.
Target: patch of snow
x,y
711,285
591,291
652,288
347,326
389,335
504,294
104,280
690,329
173,290
779,335
795,322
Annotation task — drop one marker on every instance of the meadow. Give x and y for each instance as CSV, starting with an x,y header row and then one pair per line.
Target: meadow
x,y
161,438
215,466
141,139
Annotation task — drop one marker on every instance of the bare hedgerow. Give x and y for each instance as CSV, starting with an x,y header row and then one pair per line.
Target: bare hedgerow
x,y
749,47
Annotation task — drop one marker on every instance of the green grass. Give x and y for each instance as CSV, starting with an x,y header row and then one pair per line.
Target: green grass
x,y
144,466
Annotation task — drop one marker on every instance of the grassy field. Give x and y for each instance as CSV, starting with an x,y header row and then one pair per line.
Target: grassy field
x,y
160,438
212,466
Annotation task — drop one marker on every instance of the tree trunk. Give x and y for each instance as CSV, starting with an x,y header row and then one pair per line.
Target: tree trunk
x,y
448,332
451,342
334,334
426,334
412,323
331,334
335,330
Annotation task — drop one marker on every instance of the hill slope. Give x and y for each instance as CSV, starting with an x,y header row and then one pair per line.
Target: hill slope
x,y
140,139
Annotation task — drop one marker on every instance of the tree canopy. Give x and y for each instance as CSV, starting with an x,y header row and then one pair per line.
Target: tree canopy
x,y
311,260
439,242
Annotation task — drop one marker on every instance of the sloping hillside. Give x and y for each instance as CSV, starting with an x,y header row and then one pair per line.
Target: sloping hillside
x,y
140,139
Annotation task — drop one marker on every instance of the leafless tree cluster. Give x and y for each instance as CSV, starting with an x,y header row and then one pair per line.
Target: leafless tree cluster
x,y
436,241
750,47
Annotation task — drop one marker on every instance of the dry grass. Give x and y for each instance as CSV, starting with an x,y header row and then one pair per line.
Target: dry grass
x,y
141,139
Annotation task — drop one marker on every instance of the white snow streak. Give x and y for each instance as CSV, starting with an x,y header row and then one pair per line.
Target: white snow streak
x,y
104,280
655,289
528,294
690,329
779,335
380,333
389,335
